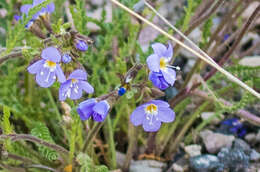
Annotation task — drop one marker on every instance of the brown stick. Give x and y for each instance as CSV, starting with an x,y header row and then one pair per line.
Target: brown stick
x,y
241,112
236,43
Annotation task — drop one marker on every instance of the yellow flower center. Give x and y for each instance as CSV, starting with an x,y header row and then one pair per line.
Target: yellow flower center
x,y
163,63
151,109
74,80
50,64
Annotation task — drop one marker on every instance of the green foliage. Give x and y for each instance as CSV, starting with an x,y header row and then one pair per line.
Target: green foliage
x,y
79,16
206,33
115,50
42,132
6,127
86,164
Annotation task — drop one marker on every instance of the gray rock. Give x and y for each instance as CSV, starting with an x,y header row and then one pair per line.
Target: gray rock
x,y
139,6
215,141
257,138
147,166
234,159
254,167
177,168
205,163
193,150
254,155
120,159
242,145
208,115
250,137
180,166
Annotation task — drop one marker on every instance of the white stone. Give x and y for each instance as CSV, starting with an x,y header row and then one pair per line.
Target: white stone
x,y
252,61
193,150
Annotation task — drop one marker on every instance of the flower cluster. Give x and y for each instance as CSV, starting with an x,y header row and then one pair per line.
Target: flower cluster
x,y
41,13
153,113
48,69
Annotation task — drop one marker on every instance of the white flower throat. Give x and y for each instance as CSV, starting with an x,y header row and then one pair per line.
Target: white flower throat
x,y
51,66
151,112
164,64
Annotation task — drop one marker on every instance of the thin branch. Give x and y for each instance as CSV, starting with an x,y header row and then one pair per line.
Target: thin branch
x,y
241,112
91,135
220,69
19,158
11,56
17,137
41,167
236,43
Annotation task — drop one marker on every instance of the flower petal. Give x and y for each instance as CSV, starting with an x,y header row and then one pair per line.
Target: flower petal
x,y
160,103
26,8
158,80
85,108
138,115
169,75
50,8
102,108
37,2
86,87
75,92
45,78
52,54
166,114
151,127
159,49
78,74
98,117
169,52
153,62
63,90
35,67
60,74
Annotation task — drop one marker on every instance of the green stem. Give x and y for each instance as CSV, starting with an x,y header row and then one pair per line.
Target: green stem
x,y
187,126
57,112
91,135
111,143
188,138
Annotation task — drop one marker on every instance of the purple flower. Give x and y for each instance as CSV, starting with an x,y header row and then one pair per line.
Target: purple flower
x,y
45,10
152,114
90,107
85,108
48,68
66,58
73,87
158,63
81,45
17,17
158,80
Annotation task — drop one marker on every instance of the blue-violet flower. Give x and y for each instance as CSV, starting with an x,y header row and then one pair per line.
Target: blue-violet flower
x,y
73,87
45,10
91,108
66,58
162,75
152,114
48,68
81,45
